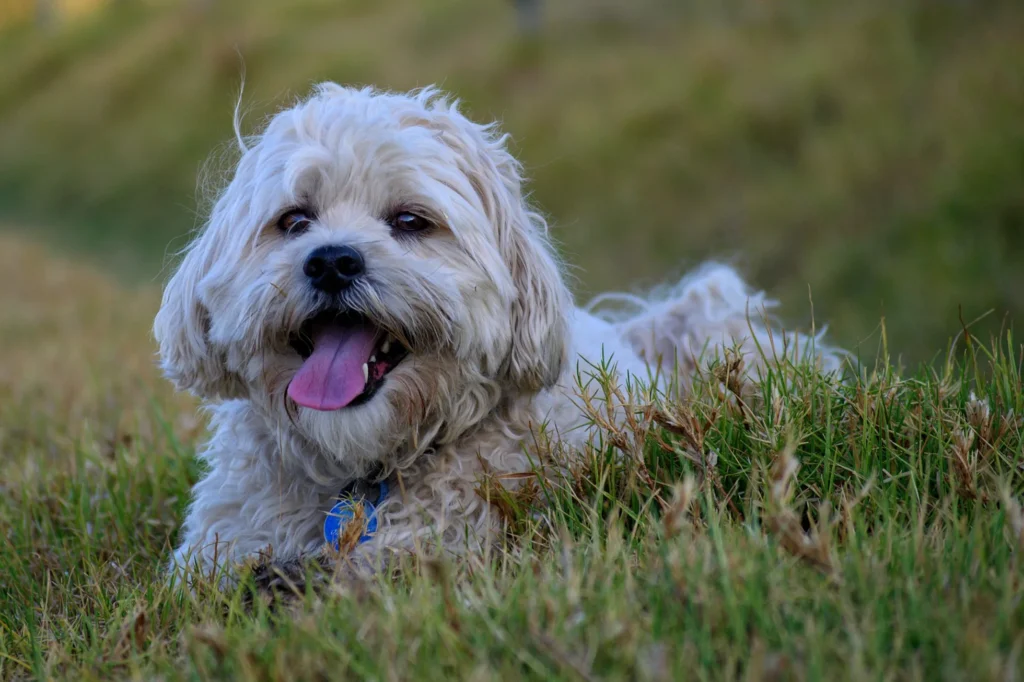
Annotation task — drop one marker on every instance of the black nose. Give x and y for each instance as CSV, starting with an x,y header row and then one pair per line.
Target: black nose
x,y
332,268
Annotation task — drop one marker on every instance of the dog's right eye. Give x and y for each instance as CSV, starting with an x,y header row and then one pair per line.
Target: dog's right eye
x,y
295,222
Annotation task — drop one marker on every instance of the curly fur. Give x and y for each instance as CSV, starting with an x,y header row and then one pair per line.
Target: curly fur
x,y
495,338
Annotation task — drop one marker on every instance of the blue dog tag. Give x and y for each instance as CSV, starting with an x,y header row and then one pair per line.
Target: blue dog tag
x,y
343,512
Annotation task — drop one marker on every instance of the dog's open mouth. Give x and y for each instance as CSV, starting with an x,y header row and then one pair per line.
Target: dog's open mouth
x,y
345,360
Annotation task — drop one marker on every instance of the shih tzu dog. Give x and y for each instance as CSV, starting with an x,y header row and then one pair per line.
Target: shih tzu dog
x,y
373,315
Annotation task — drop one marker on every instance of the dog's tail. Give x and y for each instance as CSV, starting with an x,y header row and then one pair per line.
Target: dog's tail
x,y
710,312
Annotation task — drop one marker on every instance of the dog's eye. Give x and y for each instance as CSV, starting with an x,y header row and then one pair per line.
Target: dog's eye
x,y
295,222
409,222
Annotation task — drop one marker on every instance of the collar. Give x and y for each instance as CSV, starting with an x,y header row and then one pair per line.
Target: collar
x,y
364,492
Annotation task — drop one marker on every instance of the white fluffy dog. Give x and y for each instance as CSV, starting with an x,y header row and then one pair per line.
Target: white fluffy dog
x,y
374,307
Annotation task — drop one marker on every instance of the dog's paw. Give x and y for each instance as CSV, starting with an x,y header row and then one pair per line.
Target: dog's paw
x,y
288,580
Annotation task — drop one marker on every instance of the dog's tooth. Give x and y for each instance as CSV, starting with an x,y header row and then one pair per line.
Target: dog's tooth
x,y
373,358
386,346
366,372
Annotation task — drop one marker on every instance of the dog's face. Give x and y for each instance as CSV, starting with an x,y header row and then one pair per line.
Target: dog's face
x,y
370,277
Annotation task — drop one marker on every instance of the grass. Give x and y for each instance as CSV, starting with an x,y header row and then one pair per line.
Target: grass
x,y
862,531
870,152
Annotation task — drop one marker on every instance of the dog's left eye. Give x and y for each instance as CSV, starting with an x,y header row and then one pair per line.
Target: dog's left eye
x,y
295,222
409,222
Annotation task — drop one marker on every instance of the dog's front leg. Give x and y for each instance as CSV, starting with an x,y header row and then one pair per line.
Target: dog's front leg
x,y
238,516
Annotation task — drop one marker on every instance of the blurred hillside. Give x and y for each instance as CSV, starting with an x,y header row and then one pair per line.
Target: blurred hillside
x,y
870,152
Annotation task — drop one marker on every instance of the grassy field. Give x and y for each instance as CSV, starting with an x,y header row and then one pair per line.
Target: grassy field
x,y
862,532
870,152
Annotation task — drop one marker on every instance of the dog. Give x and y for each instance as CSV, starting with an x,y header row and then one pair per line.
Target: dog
x,y
374,313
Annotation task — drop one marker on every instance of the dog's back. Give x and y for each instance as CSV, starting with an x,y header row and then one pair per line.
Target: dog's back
x,y
681,328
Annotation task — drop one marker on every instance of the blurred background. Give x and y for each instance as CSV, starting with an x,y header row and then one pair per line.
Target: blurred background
x,y
866,154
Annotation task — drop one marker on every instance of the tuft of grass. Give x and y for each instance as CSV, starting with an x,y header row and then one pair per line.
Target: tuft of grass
x,y
871,150
807,530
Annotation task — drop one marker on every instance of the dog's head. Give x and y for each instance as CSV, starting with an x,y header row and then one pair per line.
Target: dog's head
x,y
370,276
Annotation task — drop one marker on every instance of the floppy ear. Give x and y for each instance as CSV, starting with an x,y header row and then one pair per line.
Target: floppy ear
x,y
541,307
540,310
181,328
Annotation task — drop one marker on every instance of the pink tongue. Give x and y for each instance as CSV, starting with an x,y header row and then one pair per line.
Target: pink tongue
x,y
332,376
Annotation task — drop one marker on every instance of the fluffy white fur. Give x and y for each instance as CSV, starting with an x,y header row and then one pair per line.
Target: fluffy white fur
x,y
495,338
